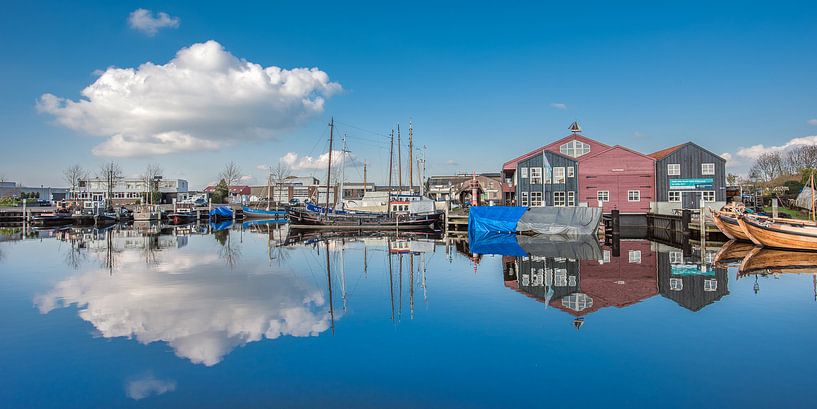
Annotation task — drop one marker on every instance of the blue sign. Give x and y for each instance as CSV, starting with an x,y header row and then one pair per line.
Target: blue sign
x,y
692,184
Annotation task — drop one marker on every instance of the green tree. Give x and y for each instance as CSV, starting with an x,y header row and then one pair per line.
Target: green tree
x,y
221,193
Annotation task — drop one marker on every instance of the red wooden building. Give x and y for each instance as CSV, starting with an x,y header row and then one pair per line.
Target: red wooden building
x,y
619,177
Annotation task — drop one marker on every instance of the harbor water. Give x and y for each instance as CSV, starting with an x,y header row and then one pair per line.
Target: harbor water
x,y
216,316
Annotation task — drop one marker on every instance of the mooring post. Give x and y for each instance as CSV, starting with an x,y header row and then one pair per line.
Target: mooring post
x,y
774,207
703,229
686,219
616,216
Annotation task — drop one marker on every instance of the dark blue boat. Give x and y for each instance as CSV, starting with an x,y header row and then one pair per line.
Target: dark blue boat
x,y
221,213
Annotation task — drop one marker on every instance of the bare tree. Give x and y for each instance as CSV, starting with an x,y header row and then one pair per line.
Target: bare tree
x,y
151,178
231,173
74,174
279,174
768,166
110,174
801,157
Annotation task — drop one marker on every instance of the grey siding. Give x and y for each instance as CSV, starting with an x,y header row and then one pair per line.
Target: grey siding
x,y
690,157
547,187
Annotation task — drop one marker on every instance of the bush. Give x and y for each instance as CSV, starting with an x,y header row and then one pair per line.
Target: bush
x,y
794,186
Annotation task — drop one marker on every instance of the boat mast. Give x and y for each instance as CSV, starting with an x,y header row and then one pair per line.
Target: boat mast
x,y
342,171
391,158
269,182
329,165
411,159
364,177
812,196
399,164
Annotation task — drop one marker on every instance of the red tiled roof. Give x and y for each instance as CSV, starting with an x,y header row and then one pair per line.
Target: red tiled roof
x,y
664,152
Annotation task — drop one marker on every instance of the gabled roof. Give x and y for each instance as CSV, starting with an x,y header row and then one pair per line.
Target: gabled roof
x,y
592,155
665,152
511,164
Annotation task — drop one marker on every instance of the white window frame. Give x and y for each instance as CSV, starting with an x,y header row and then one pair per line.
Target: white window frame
x,y
708,196
630,196
673,169
606,195
523,172
676,198
559,198
574,148
676,284
534,200
634,256
523,199
676,257
536,176
571,198
711,284
707,168
571,171
559,175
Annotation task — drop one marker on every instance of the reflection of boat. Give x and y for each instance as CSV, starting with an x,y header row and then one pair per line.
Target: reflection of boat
x,y
220,226
726,220
182,216
52,219
732,252
305,219
765,261
146,214
263,214
262,222
794,235
584,247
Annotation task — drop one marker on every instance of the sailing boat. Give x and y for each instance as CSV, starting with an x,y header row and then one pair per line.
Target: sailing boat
x,y
782,233
399,214
253,213
726,220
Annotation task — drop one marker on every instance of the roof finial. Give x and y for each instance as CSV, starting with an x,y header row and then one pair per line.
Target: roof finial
x,y
575,128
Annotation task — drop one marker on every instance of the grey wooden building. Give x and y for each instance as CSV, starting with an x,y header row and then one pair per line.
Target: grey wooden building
x,y
685,174
547,179
682,280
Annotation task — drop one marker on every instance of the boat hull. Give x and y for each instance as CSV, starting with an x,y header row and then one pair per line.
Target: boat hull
x,y
733,252
251,213
764,261
728,225
780,235
52,220
302,219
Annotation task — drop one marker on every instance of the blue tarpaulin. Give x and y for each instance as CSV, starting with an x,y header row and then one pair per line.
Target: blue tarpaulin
x,y
221,212
504,244
495,219
221,226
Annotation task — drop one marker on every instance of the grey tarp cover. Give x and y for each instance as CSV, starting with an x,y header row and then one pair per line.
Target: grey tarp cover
x,y
585,247
567,221
803,200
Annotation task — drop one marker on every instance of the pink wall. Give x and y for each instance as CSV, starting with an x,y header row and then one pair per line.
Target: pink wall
x,y
617,170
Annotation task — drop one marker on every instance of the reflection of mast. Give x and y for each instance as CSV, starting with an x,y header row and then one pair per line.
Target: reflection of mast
x,y
329,280
391,283
411,285
423,270
343,277
365,260
400,286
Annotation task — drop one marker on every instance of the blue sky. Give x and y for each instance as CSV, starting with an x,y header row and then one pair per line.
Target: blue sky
x,y
480,83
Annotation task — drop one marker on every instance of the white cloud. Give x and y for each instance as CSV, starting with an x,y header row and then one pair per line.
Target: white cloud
x,y
754,151
812,121
558,105
203,99
149,23
452,162
148,386
187,301
297,162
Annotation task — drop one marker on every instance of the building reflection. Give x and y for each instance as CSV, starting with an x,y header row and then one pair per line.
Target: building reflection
x,y
694,280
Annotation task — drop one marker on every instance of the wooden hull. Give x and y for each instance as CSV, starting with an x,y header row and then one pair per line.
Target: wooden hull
x,y
52,220
733,252
251,213
176,218
728,225
780,235
764,261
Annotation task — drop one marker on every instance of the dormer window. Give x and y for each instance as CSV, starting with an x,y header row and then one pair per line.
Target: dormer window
x,y
575,148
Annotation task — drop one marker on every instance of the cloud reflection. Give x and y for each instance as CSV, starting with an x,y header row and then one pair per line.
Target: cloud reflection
x,y
148,386
191,303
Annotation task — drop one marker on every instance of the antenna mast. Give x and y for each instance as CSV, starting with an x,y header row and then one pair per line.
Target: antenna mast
x,y
411,159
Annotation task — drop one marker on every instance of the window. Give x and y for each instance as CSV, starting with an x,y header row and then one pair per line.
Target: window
x,y
634,256
603,195
675,197
559,199
711,285
571,198
536,199
524,198
676,284
674,169
605,256
560,277
577,301
708,196
633,196
558,175
570,171
707,168
676,257
524,172
575,148
536,176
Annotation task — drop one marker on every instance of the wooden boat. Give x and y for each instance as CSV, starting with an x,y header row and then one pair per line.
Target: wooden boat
x,y
181,217
788,234
733,252
52,219
727,222
251,213
766,261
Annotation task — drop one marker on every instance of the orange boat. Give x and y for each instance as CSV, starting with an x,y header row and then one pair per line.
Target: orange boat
x,y
766,261
789,234
732,253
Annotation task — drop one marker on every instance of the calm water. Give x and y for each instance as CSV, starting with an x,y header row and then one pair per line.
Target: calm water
x,y
189,318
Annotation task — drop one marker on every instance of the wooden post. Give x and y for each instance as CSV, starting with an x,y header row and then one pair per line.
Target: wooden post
x,y
702,220
616,222
686,219
774,208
